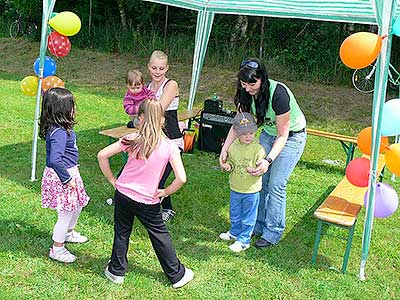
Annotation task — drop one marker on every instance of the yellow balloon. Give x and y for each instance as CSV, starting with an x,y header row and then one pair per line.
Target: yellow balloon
x,y
392,158
29,85
66,23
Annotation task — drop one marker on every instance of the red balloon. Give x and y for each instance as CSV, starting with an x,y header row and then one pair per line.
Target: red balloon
x,y
58,44
357,171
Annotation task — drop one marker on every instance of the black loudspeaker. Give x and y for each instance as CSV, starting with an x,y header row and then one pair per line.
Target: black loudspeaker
x,y
213,131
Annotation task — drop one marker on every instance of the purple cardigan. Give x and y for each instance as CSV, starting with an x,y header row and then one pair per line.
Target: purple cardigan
x,y
61,152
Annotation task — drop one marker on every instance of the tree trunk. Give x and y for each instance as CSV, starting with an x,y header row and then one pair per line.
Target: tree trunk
x,y
122,13
90,15
262,38
166,26
239,31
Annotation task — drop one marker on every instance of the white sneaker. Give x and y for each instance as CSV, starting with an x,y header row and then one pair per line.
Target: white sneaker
x,y
238,246
114,278
227,236
75,237
62,255
187,277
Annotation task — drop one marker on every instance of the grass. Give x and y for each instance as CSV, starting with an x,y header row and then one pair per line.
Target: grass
x,y
281,272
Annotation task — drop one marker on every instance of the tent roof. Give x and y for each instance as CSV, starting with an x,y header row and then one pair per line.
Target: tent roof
x,y
352,11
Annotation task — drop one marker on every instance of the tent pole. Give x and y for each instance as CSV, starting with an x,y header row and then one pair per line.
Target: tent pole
x,y
203,29
48,6
385,11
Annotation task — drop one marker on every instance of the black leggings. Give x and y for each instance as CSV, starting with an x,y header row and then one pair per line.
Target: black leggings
x,y
125,211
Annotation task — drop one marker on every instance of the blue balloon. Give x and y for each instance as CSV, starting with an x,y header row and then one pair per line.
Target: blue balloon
x,y
396,27
391,118
49,67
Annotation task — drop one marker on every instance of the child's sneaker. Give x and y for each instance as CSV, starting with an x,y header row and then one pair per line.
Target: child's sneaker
x,y
110,201
62,255
227,236
187,277
167,215
75,237
114,278
238,246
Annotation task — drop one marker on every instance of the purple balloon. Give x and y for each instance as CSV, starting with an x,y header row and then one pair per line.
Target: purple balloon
x,y
386,200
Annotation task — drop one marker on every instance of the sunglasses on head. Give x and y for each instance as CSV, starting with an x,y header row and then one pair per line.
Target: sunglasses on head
x,y
249,63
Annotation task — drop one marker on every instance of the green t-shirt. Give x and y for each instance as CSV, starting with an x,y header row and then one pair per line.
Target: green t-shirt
x,y
241,156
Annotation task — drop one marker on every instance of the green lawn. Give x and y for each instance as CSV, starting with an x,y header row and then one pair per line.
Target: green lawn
x,y
280,272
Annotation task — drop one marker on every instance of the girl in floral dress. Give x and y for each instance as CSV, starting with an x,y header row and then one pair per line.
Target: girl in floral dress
x,y
62,185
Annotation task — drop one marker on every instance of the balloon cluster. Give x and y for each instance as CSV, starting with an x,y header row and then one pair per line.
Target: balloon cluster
x,y
65,24
357,171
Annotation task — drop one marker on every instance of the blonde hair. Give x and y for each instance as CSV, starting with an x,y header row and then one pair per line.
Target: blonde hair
x,y
133,77
150,130
159,55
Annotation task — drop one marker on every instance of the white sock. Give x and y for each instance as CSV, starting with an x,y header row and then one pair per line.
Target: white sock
x,y
57,249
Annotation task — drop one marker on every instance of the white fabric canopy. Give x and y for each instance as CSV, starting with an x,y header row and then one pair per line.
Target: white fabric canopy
x,y
377,12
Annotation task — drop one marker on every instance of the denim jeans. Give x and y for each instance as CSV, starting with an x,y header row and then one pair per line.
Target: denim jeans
x,y
271,217
243,215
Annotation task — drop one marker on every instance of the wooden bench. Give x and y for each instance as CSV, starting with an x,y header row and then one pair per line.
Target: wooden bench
x,y
118,132
341,209
348,143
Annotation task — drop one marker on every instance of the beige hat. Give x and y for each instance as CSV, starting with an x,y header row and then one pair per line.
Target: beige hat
x,y
244,123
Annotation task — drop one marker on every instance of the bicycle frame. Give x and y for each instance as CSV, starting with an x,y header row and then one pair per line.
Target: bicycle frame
x,y
392,70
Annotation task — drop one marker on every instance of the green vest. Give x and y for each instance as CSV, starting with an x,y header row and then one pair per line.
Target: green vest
x,y
297,119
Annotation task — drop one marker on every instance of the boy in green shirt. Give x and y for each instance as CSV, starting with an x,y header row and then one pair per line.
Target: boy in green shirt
x,y
243,154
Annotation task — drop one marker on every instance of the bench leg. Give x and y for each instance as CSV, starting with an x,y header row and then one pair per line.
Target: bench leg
x,y
349,149
316,243
348,247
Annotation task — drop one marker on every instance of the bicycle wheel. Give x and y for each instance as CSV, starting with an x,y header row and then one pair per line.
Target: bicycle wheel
x,y
15,29
361,82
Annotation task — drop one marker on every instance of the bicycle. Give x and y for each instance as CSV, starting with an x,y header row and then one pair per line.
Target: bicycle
x,y
21,27
363,79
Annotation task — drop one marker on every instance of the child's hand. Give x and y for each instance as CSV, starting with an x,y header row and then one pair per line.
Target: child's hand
x,y
161,194
225,166
72,183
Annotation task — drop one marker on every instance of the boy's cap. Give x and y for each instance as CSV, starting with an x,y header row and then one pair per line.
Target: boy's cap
x,y
244,123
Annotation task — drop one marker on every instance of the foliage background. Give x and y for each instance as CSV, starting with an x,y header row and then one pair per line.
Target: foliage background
x,y
293,46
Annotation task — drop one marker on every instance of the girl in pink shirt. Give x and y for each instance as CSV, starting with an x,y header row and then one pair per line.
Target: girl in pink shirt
x,y
137,193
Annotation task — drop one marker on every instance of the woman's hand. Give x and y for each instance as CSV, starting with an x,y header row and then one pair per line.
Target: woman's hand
x,y
226,166
261,168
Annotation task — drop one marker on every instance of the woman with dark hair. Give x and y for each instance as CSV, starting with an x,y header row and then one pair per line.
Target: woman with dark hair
x,y
283,137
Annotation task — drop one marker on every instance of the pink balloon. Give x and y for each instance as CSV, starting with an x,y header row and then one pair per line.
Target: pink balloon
x,y
386,200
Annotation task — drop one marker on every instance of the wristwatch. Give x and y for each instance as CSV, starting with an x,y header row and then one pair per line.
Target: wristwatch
x,y
268,159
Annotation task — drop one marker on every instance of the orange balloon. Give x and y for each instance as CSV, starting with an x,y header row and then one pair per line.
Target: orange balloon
x,y
364,141
392,158
50,82
360,49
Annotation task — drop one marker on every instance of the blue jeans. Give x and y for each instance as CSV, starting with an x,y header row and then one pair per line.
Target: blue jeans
x,y
271,217
243,215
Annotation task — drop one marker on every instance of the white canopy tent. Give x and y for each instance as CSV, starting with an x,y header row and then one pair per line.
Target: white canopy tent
x,y
376,12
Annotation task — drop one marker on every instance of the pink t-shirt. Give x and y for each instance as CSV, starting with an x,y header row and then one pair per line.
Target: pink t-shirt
x,y
140,178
